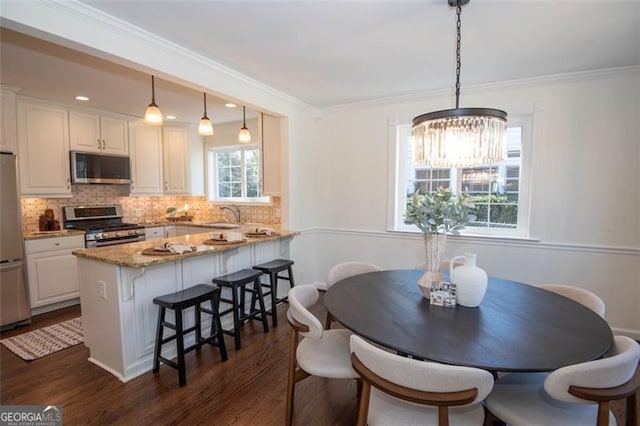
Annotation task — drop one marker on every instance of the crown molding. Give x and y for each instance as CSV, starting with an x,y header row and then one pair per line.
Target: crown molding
x,y
101,21
518,83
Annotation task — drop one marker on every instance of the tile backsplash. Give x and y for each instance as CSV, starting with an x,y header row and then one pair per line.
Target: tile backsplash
x,y
144,209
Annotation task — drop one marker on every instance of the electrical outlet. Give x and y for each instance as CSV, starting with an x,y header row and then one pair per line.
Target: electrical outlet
x,y
102,288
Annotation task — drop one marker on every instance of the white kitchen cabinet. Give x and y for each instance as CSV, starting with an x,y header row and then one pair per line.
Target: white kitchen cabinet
x,y
170,230
91,132
8,120
43,147
271,152
52,269
154,233
175,148
145,153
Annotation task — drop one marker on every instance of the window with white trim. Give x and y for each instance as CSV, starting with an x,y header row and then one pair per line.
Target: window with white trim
x,y
501,190
233,173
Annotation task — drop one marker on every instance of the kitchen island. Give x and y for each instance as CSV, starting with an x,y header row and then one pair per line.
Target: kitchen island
x,y
118,284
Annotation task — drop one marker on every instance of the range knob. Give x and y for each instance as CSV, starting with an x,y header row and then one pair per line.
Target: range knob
x,y
98,235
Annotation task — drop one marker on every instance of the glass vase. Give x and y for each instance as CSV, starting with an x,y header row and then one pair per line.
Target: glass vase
x,y
434,249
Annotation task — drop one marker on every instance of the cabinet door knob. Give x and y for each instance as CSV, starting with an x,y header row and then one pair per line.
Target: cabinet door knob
x,y
68,184
99,145
56,244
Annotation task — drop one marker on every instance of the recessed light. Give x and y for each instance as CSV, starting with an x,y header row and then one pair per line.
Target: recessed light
x,y
230,105
81,98
170,117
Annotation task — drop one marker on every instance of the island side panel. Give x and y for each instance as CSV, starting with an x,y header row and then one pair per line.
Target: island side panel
x,y
139,315
100,307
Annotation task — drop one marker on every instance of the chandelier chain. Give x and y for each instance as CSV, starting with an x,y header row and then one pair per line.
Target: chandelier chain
x,y
458,60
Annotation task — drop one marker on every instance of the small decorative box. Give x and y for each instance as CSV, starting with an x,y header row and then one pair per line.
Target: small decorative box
x,y
443,294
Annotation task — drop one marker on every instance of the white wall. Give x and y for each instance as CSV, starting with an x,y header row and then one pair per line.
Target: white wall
x,y
585,198
585,201
227,133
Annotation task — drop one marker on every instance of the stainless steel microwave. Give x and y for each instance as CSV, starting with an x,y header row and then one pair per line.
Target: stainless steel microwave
x,y
88,167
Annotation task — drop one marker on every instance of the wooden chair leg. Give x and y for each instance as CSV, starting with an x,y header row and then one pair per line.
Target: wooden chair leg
x,y
273,283
158,346
632,410
603,413
363,406
291,380
327,322
257,286
443,416
490,419
236,316
182,372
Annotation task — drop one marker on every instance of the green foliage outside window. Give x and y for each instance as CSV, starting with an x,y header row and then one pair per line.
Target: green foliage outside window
x,y
498,210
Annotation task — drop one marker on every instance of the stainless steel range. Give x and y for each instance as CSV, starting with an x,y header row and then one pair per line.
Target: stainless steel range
x,y
103,225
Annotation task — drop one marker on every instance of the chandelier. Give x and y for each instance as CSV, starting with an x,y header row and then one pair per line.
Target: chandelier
x,y
460,137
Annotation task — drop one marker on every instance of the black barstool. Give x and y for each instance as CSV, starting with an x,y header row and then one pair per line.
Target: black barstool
x,y
179,301
272,269
237,283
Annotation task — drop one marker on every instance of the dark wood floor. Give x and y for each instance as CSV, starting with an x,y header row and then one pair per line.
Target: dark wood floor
x,y
248,389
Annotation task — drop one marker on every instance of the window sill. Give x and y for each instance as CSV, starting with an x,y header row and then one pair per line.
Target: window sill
x,y
473,237
266,203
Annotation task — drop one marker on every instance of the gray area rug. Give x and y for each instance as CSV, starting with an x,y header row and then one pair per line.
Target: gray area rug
x,y
45,341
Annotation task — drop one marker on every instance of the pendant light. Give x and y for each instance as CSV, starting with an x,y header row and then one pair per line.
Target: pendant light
x,y
205,128
460,137
152,115
244,136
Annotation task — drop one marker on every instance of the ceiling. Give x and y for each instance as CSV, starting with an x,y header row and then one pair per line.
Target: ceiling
x,y
328,53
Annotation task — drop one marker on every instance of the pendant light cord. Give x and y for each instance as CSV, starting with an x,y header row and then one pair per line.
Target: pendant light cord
x,y
205,104
458,25
153,91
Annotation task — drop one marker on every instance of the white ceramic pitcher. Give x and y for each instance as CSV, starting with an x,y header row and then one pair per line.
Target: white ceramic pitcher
x,y
470,281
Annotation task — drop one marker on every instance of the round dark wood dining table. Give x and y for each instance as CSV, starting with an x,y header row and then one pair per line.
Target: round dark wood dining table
x,y
517,327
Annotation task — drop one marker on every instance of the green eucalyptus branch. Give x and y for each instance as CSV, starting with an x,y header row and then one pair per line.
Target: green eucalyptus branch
x,y
439,212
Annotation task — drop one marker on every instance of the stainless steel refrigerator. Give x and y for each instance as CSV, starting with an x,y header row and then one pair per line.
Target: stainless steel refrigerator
x,y
14,297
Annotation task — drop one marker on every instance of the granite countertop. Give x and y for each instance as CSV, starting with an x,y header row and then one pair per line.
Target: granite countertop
x,y
209,224
130,254
36,235
218,226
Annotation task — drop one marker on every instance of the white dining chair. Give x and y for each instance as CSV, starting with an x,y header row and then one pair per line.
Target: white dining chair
x,y
575,395
580,295
402,391
323,353
345,270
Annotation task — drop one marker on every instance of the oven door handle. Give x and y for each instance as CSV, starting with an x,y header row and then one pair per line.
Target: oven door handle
x,y
114,241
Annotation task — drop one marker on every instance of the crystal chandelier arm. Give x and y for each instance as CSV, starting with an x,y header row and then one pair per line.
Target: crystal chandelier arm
x,y
458,58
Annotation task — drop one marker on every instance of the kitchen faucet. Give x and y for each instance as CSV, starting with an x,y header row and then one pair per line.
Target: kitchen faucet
x,y
234,210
